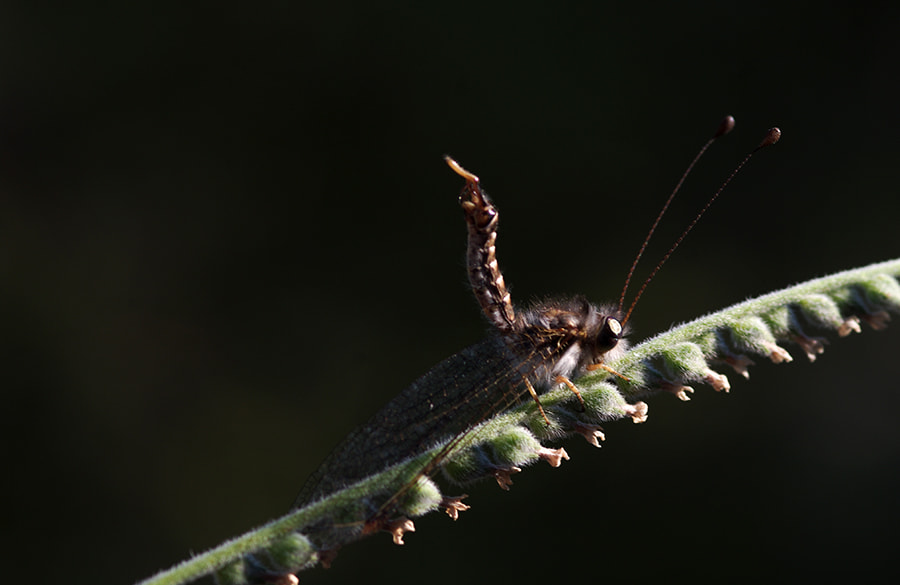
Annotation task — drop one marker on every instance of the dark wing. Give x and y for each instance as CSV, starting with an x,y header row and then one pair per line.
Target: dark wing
x,y
455,395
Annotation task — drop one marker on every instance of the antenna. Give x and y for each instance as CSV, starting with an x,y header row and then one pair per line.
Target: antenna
x,y
772,136
725,126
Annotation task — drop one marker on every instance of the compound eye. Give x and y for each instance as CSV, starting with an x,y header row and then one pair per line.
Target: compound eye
x,y
609,335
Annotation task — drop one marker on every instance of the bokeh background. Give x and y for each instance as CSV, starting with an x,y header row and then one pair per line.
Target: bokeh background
x,y
227,237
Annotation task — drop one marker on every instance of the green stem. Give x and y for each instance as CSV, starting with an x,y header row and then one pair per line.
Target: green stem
x,y
684,354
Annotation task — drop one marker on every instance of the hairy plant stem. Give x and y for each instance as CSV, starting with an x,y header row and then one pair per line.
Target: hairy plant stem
x,y
667,362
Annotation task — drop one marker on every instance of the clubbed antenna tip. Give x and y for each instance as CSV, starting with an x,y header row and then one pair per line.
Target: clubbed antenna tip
x,y
725,126
772,136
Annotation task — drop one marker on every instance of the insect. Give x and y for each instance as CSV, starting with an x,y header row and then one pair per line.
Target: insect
x,y
528,351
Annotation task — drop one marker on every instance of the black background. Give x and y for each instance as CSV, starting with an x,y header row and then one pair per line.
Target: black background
x,y
227,236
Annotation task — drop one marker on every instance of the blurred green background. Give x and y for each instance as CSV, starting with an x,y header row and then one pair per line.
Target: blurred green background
x,y
227,237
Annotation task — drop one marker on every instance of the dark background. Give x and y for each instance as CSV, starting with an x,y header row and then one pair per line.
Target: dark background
x,y
227,237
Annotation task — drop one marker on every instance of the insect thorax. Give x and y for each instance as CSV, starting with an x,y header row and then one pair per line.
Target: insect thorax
x,y
563,337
